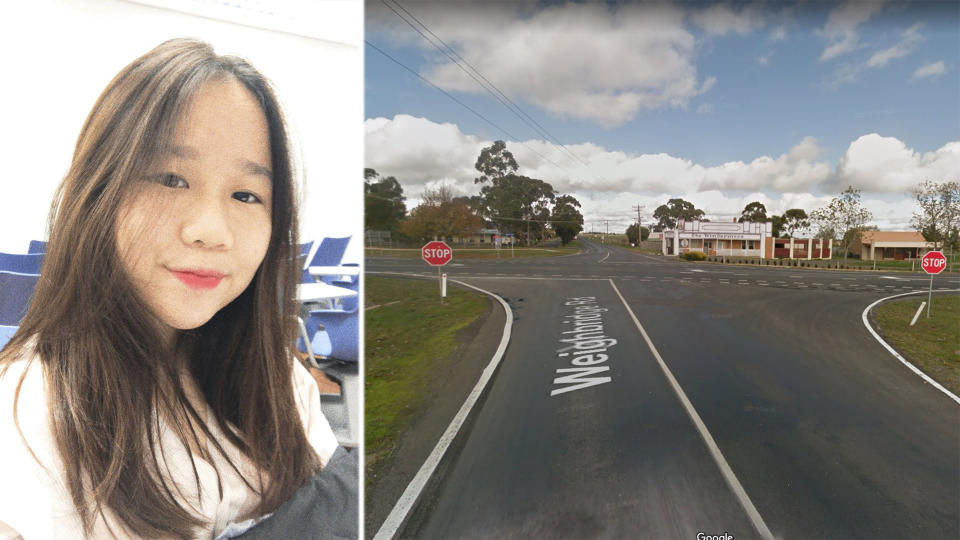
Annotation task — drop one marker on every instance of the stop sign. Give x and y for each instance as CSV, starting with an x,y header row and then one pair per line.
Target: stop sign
x,y
436,253
933,262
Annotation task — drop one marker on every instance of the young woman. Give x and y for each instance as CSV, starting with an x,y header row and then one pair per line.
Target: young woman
x,y
151,389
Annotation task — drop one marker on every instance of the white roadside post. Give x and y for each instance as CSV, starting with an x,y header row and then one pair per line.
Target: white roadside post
x,y
437,254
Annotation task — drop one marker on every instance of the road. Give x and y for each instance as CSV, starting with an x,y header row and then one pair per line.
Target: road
x,y
826,434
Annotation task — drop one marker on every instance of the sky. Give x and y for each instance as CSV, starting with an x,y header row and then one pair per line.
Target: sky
x,y
60,55
631,104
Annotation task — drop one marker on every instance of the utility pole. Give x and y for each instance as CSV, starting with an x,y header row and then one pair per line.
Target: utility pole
x,y
639,208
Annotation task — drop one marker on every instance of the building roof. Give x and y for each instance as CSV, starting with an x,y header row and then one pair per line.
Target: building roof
x,y
868,237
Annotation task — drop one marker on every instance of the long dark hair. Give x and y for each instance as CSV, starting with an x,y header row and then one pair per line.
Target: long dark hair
x,y
106,366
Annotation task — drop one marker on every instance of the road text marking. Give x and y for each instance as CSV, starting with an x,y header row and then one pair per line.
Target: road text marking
x,y
587,343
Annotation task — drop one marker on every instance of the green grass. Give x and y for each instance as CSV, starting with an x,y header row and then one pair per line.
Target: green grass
x,y
480,252
933,344
407,338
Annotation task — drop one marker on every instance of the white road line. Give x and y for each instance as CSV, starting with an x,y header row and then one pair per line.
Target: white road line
x,y
902,360
415,487
605,258
725,469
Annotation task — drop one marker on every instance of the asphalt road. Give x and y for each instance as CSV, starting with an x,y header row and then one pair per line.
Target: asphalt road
x,y
828,435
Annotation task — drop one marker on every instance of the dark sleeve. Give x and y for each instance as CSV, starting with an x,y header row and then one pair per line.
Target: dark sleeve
x,y
325,507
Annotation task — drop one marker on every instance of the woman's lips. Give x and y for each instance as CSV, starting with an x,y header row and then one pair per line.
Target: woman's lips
x,y
199,279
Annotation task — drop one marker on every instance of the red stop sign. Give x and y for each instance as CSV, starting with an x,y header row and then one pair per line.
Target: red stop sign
x,y
436,253
933,262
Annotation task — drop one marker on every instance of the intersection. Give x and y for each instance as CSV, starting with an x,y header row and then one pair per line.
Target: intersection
x,y
825,433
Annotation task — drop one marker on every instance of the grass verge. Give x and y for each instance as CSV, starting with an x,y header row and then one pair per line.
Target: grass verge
x,y
407,338
479,253
933,344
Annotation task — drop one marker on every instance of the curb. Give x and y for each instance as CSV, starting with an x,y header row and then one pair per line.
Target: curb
x,y
897,355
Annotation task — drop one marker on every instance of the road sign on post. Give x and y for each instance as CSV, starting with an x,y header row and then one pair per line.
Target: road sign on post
x,y
437,254
932,263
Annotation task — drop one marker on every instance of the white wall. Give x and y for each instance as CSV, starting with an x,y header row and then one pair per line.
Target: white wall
x,y
57,56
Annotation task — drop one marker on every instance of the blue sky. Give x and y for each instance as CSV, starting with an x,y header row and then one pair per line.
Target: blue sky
x,y
718,103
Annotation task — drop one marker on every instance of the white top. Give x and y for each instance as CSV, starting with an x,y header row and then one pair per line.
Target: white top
x,y
316,292
318,271
35,503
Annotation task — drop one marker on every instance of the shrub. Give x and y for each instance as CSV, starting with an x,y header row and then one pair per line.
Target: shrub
x,y
694,256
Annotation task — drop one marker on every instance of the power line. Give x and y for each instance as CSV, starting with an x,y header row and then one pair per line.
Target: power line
x,y
464,105
486,84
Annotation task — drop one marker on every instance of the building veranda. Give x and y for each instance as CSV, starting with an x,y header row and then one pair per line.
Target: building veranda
x,y
744,239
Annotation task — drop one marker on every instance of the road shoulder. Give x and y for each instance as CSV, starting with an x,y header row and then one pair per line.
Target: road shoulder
x,y
476,344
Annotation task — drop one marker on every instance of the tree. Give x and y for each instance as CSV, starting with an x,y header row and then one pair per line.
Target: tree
x,y
495,161
777,227
566,219
514,202
383,201
845,215
754,212
938,219
795,221
439,215
633,233
675,209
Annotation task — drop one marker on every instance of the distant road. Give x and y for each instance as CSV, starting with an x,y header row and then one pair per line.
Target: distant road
x,y
826,433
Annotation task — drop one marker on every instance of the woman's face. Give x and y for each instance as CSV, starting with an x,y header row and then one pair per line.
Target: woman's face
x,y
192,239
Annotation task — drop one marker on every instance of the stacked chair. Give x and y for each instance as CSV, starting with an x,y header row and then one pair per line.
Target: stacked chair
x,y
19,274
330,335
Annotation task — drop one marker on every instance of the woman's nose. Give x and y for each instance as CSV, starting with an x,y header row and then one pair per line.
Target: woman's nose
x,y
207,224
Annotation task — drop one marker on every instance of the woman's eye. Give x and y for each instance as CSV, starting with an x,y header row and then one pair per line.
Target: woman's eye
x,y
171,180
246,197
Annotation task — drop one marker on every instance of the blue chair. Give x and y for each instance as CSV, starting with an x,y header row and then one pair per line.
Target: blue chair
x,y
16,290
329,253
6,334
37,246
20,263
342,332
347,282
339,338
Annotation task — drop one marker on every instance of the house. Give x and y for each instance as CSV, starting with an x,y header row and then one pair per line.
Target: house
x,y
744,239
890,245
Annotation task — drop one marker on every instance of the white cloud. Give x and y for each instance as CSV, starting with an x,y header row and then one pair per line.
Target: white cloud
x,y
418,151
842,27
794,170
848,73
908,41
885,164
931,70
705,108
583,61
765,59
421,153
721,19
778,34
